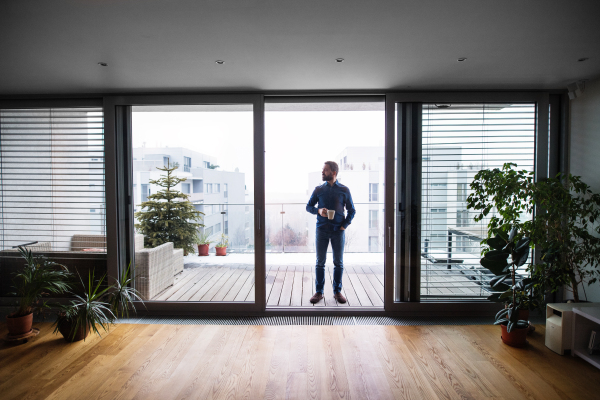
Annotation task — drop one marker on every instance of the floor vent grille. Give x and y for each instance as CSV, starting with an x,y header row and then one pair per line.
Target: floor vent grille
x,y
311,320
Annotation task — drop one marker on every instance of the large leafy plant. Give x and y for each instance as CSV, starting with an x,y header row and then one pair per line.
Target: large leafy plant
x,y
567,231
39,277
507,253
507,194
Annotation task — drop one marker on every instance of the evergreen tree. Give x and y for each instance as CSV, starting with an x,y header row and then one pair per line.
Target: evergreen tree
x,y
168,215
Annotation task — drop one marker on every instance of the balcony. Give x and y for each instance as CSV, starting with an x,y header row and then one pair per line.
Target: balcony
x,y
290,263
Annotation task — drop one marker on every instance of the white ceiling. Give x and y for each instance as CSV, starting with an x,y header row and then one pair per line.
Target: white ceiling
x,y
171,45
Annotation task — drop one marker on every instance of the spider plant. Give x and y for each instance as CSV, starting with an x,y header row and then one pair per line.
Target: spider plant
x,y
97,305
121,296
87,310
38,278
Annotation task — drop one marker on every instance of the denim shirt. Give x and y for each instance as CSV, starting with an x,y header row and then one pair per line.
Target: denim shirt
x,y
334,197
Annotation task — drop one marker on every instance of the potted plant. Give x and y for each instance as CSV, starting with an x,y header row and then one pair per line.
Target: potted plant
x,y
568,234
508,286
38,278
221,247
203,244
96,306
564,228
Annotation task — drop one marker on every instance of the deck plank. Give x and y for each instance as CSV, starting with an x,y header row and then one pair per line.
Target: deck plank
x,y
307,285
285,299
217,285
207,284
273,299
377,285
179,286
297,288
229,284
371,291
361,294
196,286
239,284
348,290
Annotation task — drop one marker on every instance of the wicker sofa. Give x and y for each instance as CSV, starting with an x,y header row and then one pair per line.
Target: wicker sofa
x,y
155,268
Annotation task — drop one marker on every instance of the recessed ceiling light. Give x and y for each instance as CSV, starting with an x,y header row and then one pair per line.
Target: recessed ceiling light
x,y
220,62
339,60
103,64
582,59
462,59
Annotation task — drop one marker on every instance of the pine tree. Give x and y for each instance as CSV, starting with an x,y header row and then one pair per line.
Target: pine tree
x,y
168,215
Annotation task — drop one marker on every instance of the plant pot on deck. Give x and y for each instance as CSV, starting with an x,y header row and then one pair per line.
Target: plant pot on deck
x,y
221,251
202,249
18,326
516,338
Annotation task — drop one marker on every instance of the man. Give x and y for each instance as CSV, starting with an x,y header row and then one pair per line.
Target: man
x,y
330,196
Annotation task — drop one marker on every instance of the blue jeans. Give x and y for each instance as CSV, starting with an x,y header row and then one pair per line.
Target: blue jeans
x,y
322,239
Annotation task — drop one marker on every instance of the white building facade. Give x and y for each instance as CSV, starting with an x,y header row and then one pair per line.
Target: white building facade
x,y
220,195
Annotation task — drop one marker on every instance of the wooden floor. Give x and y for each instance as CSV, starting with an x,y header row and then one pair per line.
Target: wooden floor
x,y
293,285
291,362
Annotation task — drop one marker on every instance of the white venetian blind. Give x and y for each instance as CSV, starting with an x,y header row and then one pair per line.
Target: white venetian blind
x,y
52,178
458,141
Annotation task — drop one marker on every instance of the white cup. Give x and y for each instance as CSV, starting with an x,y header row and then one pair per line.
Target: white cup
x,y
330,214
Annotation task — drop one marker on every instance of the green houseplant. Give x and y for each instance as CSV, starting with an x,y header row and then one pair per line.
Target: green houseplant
x,y
38,278
221,247
506,253
203,244
96,306
568,233
565,227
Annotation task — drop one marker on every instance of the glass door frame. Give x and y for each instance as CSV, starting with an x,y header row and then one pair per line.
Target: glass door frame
x,y
118,130
403,133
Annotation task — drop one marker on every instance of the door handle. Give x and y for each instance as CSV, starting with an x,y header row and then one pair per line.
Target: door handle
x,y
389,236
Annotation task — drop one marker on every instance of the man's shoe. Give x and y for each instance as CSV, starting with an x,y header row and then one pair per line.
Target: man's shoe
x,y
317,297
339,297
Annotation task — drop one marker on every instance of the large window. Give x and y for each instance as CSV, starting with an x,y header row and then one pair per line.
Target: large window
x,y
458,141
52,183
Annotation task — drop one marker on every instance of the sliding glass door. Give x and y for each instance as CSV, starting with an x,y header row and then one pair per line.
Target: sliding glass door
x,y
193,188
301,135
440,145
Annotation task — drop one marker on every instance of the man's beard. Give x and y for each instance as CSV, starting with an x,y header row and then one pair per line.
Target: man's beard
x,y
327,177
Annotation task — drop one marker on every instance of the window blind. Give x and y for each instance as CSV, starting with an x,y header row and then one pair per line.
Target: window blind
x,y
458,141
52,179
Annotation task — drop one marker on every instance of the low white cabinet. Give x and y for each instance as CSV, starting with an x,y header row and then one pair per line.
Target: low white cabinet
x,y
559,317
585,320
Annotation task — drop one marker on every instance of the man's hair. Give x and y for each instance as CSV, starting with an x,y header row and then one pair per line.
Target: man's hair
x,y
332,166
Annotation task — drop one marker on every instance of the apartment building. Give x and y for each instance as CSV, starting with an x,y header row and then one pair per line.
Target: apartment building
x,y
220,195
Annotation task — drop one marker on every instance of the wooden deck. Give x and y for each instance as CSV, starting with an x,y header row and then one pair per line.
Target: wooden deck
x,y
293,285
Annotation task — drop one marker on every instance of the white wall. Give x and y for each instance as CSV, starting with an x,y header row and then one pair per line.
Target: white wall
x,y
584,149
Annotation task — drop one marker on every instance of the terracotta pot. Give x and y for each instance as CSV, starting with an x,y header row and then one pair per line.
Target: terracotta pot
x,y
65,327
516,338
221,251
19,325
202,249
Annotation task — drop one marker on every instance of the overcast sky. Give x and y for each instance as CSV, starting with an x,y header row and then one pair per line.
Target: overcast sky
x,y
296,142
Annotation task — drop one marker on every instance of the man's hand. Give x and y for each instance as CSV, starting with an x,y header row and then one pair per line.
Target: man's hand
x,y
323,212
342,228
